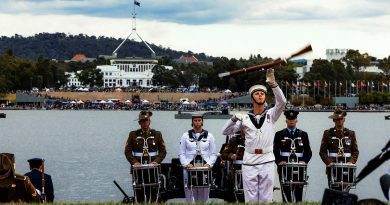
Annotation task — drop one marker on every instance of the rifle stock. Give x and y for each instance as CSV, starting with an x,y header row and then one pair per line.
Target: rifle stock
x,y
268,65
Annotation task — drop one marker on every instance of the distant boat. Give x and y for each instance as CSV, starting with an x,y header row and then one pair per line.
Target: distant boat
x,y
3,115
206,115
387,117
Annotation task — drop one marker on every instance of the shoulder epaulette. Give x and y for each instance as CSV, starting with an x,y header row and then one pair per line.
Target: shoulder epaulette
x,y
20,177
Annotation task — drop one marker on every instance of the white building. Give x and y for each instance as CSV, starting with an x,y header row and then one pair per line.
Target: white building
x,y
123,72
73,80
126,72
335,54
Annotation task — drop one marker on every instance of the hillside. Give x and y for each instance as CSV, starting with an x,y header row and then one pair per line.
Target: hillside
x,y
61,46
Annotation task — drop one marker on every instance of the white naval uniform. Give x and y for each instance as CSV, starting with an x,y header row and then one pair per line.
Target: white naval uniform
x,y
257,171
187,154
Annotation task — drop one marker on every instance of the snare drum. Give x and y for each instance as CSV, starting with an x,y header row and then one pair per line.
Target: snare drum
x,y
238,185
146,175
342,173
199,177
294,173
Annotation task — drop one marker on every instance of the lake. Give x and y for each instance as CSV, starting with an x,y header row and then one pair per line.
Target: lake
x,y
84,150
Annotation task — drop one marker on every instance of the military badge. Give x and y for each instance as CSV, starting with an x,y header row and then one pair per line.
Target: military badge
x,y
348,142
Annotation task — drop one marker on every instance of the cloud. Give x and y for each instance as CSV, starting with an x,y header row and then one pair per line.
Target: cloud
x,y
203,12
273,28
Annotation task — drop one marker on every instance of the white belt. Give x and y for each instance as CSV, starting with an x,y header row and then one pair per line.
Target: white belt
x,y
286,154
259,150
140,154
332,154
237,162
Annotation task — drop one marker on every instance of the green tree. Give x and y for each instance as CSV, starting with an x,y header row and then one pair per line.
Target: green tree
x,y
91,76
355,60
384,65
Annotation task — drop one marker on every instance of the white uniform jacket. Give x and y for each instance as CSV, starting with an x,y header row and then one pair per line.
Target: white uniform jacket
x,y
262,138
188,148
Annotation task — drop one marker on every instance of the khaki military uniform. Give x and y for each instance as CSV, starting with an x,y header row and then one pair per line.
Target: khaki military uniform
x,y
20,190
234,146
329,147
155,143
14,187
329,151
134,151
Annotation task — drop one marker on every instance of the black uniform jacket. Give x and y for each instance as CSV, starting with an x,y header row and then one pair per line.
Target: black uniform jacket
x,y
36,179
282,146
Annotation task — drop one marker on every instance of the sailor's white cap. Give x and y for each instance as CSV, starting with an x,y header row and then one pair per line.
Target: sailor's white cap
x,y
257,88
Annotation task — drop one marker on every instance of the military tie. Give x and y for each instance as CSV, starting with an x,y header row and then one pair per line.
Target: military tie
x,y
292,133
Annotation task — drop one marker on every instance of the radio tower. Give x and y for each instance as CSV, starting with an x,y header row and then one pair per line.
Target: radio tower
x,y
134,30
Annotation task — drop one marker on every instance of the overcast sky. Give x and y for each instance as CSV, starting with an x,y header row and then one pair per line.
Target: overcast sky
x,y
230,28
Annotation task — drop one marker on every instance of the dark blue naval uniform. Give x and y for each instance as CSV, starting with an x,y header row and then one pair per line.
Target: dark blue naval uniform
x,y
36,178
282,149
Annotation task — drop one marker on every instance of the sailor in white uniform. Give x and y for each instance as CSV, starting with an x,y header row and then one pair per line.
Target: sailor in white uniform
x,y
258,126
197,149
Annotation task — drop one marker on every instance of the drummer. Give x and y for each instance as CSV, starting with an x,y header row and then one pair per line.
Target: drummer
x,y
197,149
282,150
145,146
329,150
234,152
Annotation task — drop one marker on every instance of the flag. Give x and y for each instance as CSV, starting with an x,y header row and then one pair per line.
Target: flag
x,y
372,84
137,3
287,84
325,84
353,84
384,84
309,84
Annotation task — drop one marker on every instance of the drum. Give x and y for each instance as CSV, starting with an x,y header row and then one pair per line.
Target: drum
x,y
146,175
294,173
342,173
238,185
199,177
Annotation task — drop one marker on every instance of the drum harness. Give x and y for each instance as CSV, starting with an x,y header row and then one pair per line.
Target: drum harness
x,y
196,161
340,153
289,156
145,153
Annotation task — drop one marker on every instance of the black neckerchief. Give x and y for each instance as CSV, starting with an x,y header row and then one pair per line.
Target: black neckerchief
x,y
203,134
252,116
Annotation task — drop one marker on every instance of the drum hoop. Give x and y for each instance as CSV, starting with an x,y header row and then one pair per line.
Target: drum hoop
x,y
298,166
152,169
193,172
